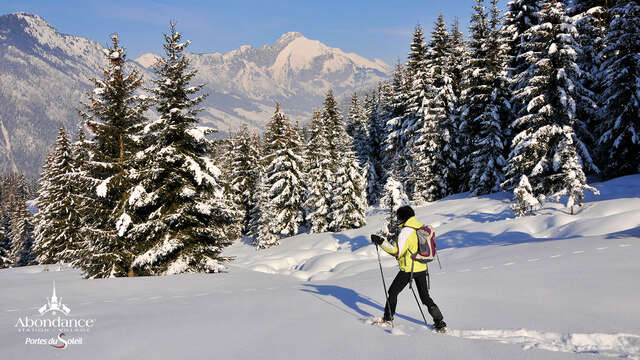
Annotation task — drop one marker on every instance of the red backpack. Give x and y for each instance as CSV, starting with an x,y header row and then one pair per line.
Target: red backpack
x,y
426,245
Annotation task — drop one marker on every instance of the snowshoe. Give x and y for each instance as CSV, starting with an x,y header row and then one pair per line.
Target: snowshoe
x,y
381,322
440,327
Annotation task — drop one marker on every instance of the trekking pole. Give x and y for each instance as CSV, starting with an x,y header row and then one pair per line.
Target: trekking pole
x,y
414,294
384,284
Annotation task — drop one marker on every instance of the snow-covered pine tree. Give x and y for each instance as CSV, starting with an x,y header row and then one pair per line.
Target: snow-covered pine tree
x,y
336,133
5,242
349,201
21,234
258,193
261,229
393,197
374,143
283,181
348,189
486,108
321,179
395,96
591,20
524,201
571,175
458,58
433,153
245,170
357,128
548,110
5,246
180,219
41,221
620,112
421,92
359,131
221,155
80,182
520,16
58,223
474,94
355,117
114,115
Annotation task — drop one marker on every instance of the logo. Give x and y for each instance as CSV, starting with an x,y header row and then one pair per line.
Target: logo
x,y
64,342
54,304
54,319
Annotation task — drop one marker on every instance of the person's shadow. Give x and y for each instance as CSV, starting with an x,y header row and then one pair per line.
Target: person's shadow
x,y
352,300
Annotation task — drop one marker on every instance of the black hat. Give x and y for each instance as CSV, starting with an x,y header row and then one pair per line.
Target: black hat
x,y
405,212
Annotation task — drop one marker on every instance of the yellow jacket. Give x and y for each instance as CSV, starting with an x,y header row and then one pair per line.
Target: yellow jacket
x,y
406,245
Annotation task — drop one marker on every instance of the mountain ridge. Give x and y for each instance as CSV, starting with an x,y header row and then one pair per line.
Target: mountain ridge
x,y
44,76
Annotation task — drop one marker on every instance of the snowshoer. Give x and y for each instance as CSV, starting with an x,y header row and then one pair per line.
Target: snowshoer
x,y
405,245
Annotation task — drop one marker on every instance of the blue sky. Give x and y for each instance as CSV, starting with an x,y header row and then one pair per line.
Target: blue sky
x,y
373,29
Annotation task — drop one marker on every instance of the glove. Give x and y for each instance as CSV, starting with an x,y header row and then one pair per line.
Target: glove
x,y
377,239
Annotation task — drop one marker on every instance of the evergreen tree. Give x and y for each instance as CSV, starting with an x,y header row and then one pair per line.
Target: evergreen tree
x,y
547,119
114,115
433,153
321,179
264,233
591,20
59,224
5,245
336,133
474,92
356,117
282,210
525,202
620,127
395,96
421,92
393,198
80,181
349,202
374,146
256,197
245,170
358,127
486,109
177,214
520,16
21,235
573,183
458,58
348,188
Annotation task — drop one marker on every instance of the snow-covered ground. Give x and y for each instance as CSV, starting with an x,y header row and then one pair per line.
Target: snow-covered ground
x,y
552,286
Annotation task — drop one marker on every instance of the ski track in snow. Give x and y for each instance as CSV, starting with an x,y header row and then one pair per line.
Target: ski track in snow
x,y
511,263
615,345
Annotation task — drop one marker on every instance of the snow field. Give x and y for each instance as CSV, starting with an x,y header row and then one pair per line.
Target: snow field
x,y
553,286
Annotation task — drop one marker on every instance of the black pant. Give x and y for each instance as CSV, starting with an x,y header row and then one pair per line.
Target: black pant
x,y
399,283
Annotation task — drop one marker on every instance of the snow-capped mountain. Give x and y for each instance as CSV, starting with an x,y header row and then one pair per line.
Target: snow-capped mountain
x,y
245,83
44,76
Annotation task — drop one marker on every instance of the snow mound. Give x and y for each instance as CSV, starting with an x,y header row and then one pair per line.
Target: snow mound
x,y
460,221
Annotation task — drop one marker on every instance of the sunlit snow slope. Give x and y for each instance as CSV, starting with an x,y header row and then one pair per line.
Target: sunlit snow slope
x,y
551,286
